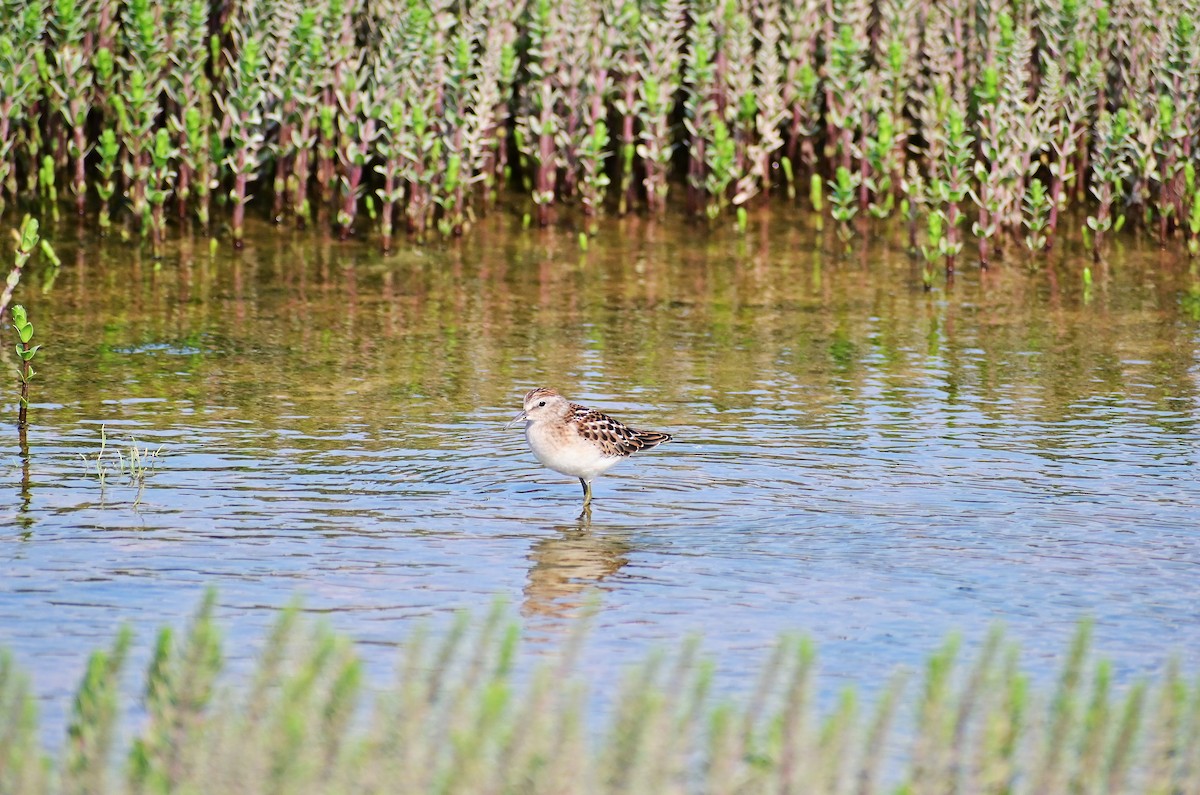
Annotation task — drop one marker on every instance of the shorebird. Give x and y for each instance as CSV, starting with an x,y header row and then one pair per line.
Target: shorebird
x,y
578,441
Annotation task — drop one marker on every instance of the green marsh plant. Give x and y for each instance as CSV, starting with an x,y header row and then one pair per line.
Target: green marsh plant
x,y
27,238
106,188
801,88
1036,216
1110,171
952,185
659,81
20,35
843,202
188,89
141,68
133,463
590,135
92,729
413,111
243,109
539,124
765,111
299,93
933,249
71,88
391,115
882,164
844,84
356,131
47,187
162,175
469,712
993,170
1192,189
627,102
25,353
700,117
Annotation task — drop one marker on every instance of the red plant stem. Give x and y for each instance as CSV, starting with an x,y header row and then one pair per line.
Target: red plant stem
x,y
570,173
23,411
281,167
156,226
951,234
1052,222
457,220
596,115
416,202
80,138
696,168
239,202
864,192
139,183
353,181
183,186
544,173
388,209
627,140
300,171
1101,217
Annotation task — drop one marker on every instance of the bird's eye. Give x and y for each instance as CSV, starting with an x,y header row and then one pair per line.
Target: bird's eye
x,y
542,403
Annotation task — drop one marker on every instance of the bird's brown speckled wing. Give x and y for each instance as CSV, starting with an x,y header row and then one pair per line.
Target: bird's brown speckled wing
x,y
614,437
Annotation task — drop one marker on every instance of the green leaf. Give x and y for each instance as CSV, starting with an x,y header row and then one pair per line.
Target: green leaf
x,y
29,239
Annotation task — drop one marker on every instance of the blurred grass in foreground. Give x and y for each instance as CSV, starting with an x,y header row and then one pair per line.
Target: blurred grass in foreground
x,y
457,720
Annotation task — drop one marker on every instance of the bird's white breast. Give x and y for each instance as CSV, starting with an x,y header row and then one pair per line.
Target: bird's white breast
x,y
560,448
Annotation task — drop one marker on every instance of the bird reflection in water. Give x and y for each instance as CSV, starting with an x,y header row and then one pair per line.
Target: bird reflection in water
x,y
568,565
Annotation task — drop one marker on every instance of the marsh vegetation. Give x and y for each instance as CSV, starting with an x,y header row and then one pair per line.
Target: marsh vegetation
x,y
457,720
984,124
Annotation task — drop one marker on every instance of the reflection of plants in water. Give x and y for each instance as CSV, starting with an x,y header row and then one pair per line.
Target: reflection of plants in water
x,y
1191,301
463,717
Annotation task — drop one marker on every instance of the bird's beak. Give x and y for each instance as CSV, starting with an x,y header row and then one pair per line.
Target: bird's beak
x,y
519,418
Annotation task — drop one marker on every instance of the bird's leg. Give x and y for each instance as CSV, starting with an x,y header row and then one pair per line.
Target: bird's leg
x,y
587,492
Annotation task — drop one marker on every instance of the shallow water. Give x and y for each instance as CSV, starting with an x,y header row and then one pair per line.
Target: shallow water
x,y
855,458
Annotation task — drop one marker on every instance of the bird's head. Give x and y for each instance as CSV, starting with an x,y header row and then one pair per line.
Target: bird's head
x,y
542,404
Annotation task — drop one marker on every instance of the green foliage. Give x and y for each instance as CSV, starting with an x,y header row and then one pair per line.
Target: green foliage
x,y
109,150
1037,214
24,330
843,200
469,711
179,688
91,732
1193,225
27,242
25,353
417,104
882,162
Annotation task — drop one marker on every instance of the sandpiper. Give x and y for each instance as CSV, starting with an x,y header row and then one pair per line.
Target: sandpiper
x,y
578,441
